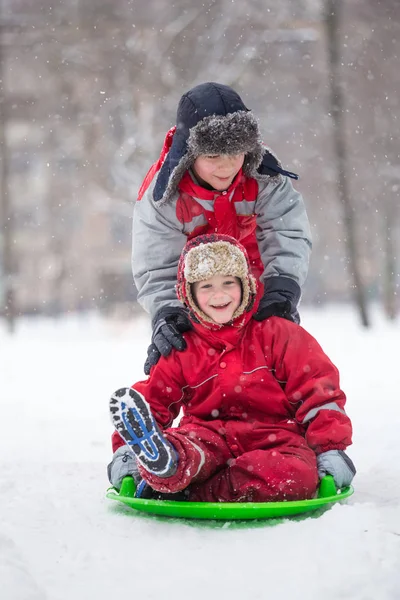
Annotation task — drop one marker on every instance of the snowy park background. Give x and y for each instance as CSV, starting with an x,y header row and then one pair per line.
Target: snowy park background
x,y
88,89
60,539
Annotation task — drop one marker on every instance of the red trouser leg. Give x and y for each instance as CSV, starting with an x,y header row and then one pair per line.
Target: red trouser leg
x,y
208,466
262,476
201,452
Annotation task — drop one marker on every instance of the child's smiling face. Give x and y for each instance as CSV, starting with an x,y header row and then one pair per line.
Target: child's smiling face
x,y
218,297
218,170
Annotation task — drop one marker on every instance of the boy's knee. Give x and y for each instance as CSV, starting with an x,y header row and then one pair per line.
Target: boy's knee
x,y
272,476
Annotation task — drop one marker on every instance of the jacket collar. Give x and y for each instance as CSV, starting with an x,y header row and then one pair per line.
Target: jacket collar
x,y
225,336
189,185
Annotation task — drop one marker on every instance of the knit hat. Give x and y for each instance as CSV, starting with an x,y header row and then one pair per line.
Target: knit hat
x,y
212,119
207,255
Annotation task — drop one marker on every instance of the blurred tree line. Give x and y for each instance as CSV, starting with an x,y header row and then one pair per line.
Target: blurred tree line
x,y
89,88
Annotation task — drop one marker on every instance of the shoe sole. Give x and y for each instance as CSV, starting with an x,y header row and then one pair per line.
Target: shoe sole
x,y
132,418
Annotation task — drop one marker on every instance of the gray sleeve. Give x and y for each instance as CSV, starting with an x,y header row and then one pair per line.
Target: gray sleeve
x,y
157,242
283,231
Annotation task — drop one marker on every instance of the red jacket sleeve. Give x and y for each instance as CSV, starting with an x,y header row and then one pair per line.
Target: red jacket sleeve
x,y
311,383
163,390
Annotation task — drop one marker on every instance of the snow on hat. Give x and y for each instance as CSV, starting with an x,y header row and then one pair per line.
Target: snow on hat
x,y
209,255
212,119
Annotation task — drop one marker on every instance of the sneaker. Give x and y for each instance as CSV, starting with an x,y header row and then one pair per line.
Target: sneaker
x,y
145,492
132,418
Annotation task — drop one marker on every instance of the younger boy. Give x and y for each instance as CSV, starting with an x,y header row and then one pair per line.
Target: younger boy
x,y
263,413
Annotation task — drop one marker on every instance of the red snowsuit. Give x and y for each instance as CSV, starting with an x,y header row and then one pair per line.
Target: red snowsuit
x,y
259,402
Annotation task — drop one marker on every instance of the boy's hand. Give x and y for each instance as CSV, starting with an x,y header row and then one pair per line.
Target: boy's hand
x,y
274,309
337,464
123,464
280,299
168,326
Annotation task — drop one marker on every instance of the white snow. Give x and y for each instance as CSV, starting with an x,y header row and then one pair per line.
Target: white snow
x,y
60,539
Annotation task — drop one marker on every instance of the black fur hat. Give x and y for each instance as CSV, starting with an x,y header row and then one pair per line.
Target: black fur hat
x,y
212,119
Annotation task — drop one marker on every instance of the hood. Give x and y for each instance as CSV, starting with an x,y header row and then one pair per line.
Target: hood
x,y
212,254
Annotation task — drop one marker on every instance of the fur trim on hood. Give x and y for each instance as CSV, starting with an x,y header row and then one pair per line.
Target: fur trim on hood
x,y
211,119
209,255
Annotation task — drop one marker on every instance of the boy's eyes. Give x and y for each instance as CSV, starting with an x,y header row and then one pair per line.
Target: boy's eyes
x,y
206,286
214,156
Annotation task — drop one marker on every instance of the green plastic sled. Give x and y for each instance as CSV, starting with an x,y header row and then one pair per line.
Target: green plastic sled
x,y
229,511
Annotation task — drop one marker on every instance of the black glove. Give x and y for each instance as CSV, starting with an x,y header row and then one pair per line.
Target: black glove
x,y
280,299
168,326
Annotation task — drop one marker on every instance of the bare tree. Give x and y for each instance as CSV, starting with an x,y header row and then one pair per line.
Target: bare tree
x,y
337,111
6,211
389,219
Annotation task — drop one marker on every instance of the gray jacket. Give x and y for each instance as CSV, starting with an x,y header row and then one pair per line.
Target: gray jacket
x,y
283,236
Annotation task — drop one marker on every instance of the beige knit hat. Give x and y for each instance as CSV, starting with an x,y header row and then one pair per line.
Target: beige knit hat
x,y
209,255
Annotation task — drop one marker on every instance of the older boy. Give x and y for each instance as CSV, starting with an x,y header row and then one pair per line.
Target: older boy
x,y
214,175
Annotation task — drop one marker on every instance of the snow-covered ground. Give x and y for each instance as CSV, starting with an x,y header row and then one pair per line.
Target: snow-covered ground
x,y
60,539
